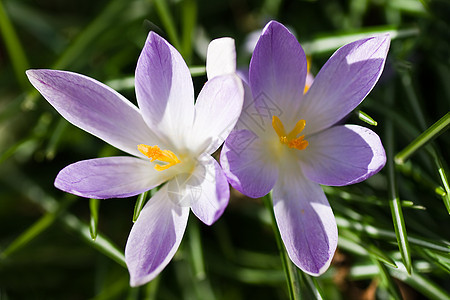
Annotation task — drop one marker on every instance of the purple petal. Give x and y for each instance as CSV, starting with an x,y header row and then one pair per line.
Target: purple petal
x,y
217,110
94,107
306,222
164,89
278,69
343,82
252,118
343,155
154,238
215,192
109,177
246,165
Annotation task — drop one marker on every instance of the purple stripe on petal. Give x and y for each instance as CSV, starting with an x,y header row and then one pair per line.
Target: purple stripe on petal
x,y
109,177
343,82
155,237
94,107
306,222
164,89
343,155
246,165
215,192
278,70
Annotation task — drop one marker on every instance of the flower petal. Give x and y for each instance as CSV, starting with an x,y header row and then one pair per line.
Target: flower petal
x,y
246,165
109,177
306,222
155,237
343,155
215,192
221,57
217,110
278,69
257,119
94,107
343,82
164,89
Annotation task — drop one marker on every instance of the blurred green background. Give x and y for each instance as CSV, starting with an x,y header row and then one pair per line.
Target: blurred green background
x,y
45,241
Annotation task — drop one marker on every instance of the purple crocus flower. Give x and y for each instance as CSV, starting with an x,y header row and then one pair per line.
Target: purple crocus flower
x,y
288,141
170,138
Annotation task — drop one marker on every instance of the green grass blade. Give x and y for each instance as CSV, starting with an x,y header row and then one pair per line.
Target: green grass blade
x,y
310,283
94,205
169,24
415,280
189,10
381,233
400,231
15,49
432,132
55,138
196,250
290,270
101,243
394,201
414,102
366,118
443,176
84,40
151,289
140,202
36,229
332,42
387,281
421,284
23,185
354,243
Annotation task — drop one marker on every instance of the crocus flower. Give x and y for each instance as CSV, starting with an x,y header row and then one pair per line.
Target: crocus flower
x,y
170,138
289,142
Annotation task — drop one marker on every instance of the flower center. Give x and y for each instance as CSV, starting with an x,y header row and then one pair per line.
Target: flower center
x,y
155,153
290,138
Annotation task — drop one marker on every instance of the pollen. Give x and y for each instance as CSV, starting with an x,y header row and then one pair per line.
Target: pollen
x,y
290,139
155,153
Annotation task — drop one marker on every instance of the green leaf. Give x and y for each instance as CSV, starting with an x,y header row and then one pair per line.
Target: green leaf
x,y
101,243
428,135
394,201
189,20
94,205
15,49
168,22
140,202
333,41
290,270
37,228
387,281
366,118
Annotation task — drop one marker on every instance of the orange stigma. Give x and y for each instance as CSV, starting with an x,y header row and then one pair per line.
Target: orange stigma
x,y
290,138
308,67
155,153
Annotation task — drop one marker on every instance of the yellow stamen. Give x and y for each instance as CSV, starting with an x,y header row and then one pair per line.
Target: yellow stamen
x,y
155,153
308,68
306,89
291,138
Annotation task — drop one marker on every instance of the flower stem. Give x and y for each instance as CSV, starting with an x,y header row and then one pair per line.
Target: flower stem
x,y
289,268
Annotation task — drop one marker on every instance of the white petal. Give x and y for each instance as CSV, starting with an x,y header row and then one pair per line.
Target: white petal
x,y
217,110
221,57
